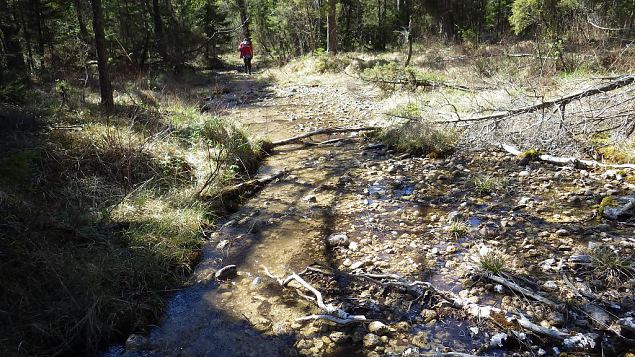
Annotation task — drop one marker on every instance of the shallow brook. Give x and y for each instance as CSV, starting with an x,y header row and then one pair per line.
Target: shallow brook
x,y
395,217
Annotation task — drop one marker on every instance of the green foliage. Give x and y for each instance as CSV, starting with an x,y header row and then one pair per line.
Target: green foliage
x,y
325,62
420,138
484,185
13,93
531,154
493,262
551,14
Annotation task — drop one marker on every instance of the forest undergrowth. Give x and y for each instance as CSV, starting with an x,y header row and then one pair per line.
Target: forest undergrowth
x,y
103,212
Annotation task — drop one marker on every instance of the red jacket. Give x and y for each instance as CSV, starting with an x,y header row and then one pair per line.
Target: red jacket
x,y
246,50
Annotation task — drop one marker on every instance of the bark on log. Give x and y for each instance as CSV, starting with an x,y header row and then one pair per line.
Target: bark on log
x,y
568,160
326,131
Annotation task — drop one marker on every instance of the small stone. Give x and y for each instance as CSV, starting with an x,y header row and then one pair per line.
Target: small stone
x,y
310,198
339,239
420,340
555,318
226,273
371,340
550,285
136,342
354,246
523,173
357,265
378,328
562,232
580,259
339,337
428,315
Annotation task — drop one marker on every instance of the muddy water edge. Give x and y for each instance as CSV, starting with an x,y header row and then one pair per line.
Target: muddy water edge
x,y
395,215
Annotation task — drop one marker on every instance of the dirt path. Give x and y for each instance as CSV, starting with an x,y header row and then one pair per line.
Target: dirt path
x,y
426,219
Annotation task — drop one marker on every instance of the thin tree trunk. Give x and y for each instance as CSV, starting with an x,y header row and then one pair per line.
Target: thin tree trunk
x,y
331,23
102,57
158,29
83,32
14,56
244,16
409,35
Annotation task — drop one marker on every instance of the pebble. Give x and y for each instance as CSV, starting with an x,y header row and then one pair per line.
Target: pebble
x,y
136,342
371,340
339,239
378,328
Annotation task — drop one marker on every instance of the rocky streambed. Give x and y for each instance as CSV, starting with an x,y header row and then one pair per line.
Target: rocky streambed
x,y
411,244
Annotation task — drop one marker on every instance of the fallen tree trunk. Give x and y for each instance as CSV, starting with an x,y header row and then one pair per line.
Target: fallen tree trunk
x,y
568,160
233,192
619,82
325,131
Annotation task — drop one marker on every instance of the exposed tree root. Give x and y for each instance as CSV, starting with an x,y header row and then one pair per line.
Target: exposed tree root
x,y
568,160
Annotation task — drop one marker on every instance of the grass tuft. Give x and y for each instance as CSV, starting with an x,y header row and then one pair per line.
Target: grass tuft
x,y
484,185
420,138
607,264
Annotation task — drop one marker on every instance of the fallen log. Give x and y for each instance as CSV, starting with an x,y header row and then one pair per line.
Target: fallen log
x,y
325,131
235,191
619,82
568,160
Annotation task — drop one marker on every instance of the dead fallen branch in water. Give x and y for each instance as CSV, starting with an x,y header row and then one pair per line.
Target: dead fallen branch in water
x,y
331,312
326,131
233,192
568,160
521,290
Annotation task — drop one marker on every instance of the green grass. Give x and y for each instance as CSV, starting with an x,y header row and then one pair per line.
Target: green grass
x,y
607,264
493,262
458,229
420,138
484,185
96,224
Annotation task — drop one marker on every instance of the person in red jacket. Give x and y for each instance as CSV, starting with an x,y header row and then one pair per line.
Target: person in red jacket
x,y
246,53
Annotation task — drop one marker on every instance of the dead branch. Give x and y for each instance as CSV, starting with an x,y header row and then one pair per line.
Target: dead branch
x,y
568,160
332,313
620,82
519,289
251,185
325,131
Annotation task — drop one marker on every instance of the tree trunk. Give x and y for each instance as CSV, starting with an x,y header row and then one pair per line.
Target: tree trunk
x,y
244,16
102,57
158,30
83,32
14,56
409,39
331,23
